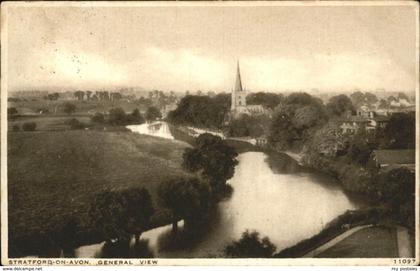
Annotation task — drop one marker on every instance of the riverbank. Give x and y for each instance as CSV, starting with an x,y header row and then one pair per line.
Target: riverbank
x,y
54,176
341,224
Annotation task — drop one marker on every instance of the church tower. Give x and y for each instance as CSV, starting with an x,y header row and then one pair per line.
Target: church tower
x,y
238,103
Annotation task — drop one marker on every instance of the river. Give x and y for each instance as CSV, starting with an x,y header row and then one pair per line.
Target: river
x,y
280,200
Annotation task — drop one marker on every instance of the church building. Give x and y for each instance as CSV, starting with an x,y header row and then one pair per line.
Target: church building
x,y
238,103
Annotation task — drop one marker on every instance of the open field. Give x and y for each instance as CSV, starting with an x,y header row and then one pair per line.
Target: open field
x,y
48,122
372,242
55,175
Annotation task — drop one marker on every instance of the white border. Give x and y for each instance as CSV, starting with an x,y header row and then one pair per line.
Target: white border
x,y
197,262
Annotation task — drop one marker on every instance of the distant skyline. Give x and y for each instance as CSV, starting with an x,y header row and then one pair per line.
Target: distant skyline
x,y
334,48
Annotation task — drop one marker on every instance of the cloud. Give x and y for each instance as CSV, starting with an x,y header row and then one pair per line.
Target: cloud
x,y
323,71
181,70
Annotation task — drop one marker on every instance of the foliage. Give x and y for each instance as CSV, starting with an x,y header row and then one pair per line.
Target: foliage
x,y
359,98
269,100
246,125
79,95
186,198
29,126
75,124
361,147
201,111
400,132
135,117
295,120
213,158
117,116
11,111
139,209
153,114
69,108
65,234
396,187
52,97
98,118
340,104
118,214
250,246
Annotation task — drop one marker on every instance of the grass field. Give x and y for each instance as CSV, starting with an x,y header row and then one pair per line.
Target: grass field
x,y
55,175
48,122
373,242
82,107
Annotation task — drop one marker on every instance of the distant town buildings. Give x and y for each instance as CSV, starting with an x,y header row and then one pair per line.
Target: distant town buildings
x,y
363,119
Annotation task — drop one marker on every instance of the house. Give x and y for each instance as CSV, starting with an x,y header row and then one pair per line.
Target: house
x,y
261,141
368,120
352,124
389,159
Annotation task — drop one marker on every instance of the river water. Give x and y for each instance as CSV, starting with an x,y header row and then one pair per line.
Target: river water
x,y
280,200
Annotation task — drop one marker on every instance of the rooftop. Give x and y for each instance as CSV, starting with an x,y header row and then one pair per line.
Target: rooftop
x,y
395,156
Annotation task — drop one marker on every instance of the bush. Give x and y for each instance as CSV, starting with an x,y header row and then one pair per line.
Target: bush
x,y
250,246
75,124
69,108
98,118
29,126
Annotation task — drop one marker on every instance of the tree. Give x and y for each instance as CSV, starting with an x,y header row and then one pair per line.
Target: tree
x,y
295,119
139,210
400,132
396,188
29,126
370,98
98,118
153,114
340,104
357,98
135,117
270,100
361,147
65,235
201,111
117,116
383,104
282,132
75,124
214,159
118,214
88,95
69,108
250,246
11,112
116,96
79,95
186,198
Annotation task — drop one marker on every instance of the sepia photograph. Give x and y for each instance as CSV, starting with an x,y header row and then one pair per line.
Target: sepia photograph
x,y
210,133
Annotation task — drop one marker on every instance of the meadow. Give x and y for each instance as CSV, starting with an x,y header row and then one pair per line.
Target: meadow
x,y
53,176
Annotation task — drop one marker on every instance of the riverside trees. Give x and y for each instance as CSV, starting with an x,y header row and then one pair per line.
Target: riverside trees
x,y
119,214
213,159
186,198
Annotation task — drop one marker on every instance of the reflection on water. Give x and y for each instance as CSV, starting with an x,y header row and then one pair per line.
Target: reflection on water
x,y
158,128
273,196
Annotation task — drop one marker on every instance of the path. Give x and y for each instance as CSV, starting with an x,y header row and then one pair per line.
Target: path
x,y
404,245
334,241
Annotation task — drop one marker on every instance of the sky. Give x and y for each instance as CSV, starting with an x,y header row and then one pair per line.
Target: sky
x,y
181,48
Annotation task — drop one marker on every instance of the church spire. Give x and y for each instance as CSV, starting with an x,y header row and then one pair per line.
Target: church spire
x,y
238,83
